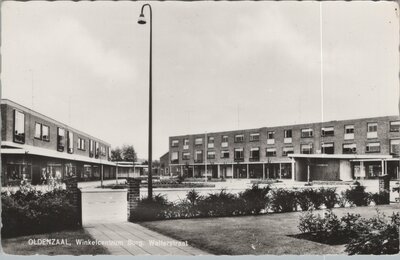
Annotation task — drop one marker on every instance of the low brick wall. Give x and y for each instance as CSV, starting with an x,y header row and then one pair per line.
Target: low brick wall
x,y
133,195
75,197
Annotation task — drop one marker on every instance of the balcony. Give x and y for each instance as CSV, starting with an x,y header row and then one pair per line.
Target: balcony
x,y
270,141
371,135
287,140
349,136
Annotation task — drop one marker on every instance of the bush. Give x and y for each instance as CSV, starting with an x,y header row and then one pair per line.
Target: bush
x,y
342,199
220,205
329,197
380,198
357,195
303,199
154,208
283,200
255,199
30,211
376,236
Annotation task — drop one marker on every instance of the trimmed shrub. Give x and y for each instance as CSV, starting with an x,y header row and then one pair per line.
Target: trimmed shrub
x,y
154,208
30,211
283,200
329,197
303,199
220,205
357,195
255,199
380,198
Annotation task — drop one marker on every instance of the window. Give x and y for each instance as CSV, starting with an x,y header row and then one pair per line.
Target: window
x,y
307,132
239,155
255,154
239,138
96,150
91,152
210,142
109,153
254,137
45,133
225,154
306,148
271,137
198,141
327,131
19,127
211,155
349,148
175,143
186,143
395,126
60,139
174,157
287,150
185,156
38,131
81,144
70,142
327,148
270,152
348,132
374,147
199,156
102,150
372,130
287,136
224,141
394,147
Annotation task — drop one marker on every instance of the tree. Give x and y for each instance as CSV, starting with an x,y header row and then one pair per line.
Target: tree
x,y
129,153
116,154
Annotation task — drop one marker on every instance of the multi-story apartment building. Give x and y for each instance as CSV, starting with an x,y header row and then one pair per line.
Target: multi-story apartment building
x,y
335,150
36,147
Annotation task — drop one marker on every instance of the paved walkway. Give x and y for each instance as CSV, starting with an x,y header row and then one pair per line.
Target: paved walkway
x,y
127,238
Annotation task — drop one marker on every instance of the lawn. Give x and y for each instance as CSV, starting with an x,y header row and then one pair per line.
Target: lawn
x,y
21,246
255,235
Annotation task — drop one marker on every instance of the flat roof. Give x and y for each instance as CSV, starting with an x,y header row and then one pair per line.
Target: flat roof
x,y
341,156
32,150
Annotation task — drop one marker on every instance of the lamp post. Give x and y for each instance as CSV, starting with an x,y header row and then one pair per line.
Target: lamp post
x,y
143,21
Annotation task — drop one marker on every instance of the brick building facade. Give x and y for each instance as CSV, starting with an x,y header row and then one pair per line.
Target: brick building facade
x,y
363,148
38,148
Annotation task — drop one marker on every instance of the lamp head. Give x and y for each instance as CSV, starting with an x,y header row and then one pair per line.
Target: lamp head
x,y
141,19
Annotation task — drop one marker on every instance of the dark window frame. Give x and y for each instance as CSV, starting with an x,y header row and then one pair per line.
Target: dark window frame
x,y
324,134
41,131
21,137
390,127
48,133
366,147
304,136
354,151
60,140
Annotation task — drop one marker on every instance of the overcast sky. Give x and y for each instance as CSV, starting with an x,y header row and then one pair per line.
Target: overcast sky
x,y
216,65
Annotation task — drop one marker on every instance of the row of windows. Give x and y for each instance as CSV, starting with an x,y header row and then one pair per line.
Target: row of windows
x,y
326,148
372,130
42,132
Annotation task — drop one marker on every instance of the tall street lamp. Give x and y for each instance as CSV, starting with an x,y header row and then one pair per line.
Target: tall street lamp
x,y
150,182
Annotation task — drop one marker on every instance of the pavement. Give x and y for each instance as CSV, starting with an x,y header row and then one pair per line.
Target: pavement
x,y
125,238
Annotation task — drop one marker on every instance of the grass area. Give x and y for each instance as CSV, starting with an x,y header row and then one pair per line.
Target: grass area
x,y
21,245
255,235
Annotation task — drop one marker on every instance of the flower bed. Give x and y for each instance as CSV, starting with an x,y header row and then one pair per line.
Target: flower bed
x,y
251,202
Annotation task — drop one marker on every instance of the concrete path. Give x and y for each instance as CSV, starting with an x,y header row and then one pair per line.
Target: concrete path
x,y
125,238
